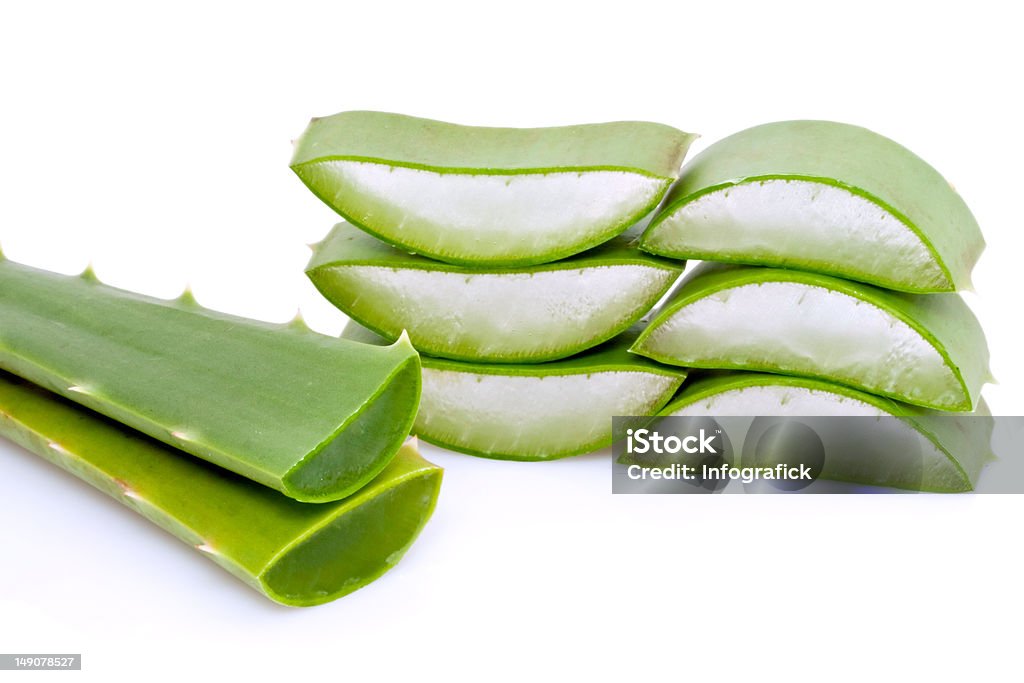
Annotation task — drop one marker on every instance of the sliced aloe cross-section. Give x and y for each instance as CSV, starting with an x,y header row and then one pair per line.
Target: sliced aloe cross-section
x,y
922,449
310,415
497,196
822,196
928,350
526,314
539,411
295,553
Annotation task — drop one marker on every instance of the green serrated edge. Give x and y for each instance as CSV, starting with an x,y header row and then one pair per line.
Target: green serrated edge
x,y
307,397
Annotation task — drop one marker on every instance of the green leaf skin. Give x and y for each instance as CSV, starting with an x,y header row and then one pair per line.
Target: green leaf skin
x,y
721,208
295,553
961,446
540,411
309,415
488,196
828,342
520,315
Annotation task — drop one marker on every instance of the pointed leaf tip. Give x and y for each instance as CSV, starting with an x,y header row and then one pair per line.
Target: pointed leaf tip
x,y
89,274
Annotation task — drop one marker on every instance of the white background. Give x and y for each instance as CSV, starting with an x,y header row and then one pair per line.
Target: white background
x,y
155,143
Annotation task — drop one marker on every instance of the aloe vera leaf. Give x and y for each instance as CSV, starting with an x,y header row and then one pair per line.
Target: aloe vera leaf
x,y
527,314
294,553
309,415
928,350
495,196
539,411
950,459
821,196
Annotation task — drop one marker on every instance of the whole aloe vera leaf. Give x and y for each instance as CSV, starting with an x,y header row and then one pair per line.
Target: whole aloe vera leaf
x,y
494,196
309,415
821,196
928,350
538,411
527,314
294,553
958,445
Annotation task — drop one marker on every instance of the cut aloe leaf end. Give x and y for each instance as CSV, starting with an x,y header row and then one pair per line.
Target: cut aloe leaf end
x,y
821,196
309,415
949,458
536,411
294,553
527,314
925,350
496,196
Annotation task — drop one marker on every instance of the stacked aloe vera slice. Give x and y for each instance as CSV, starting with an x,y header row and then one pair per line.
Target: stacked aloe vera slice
x,y
510,258
832,260
279,453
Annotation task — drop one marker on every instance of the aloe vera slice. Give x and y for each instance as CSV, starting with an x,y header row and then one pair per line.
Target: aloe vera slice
x,y
295,553
821,196
540,411
926,350
527,314
495,196
309,415
949,458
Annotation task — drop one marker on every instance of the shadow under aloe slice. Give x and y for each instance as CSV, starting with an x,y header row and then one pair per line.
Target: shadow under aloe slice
x,y
312,416
536,411
820,196
294,553
928,350
519,315
488,196
917,449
